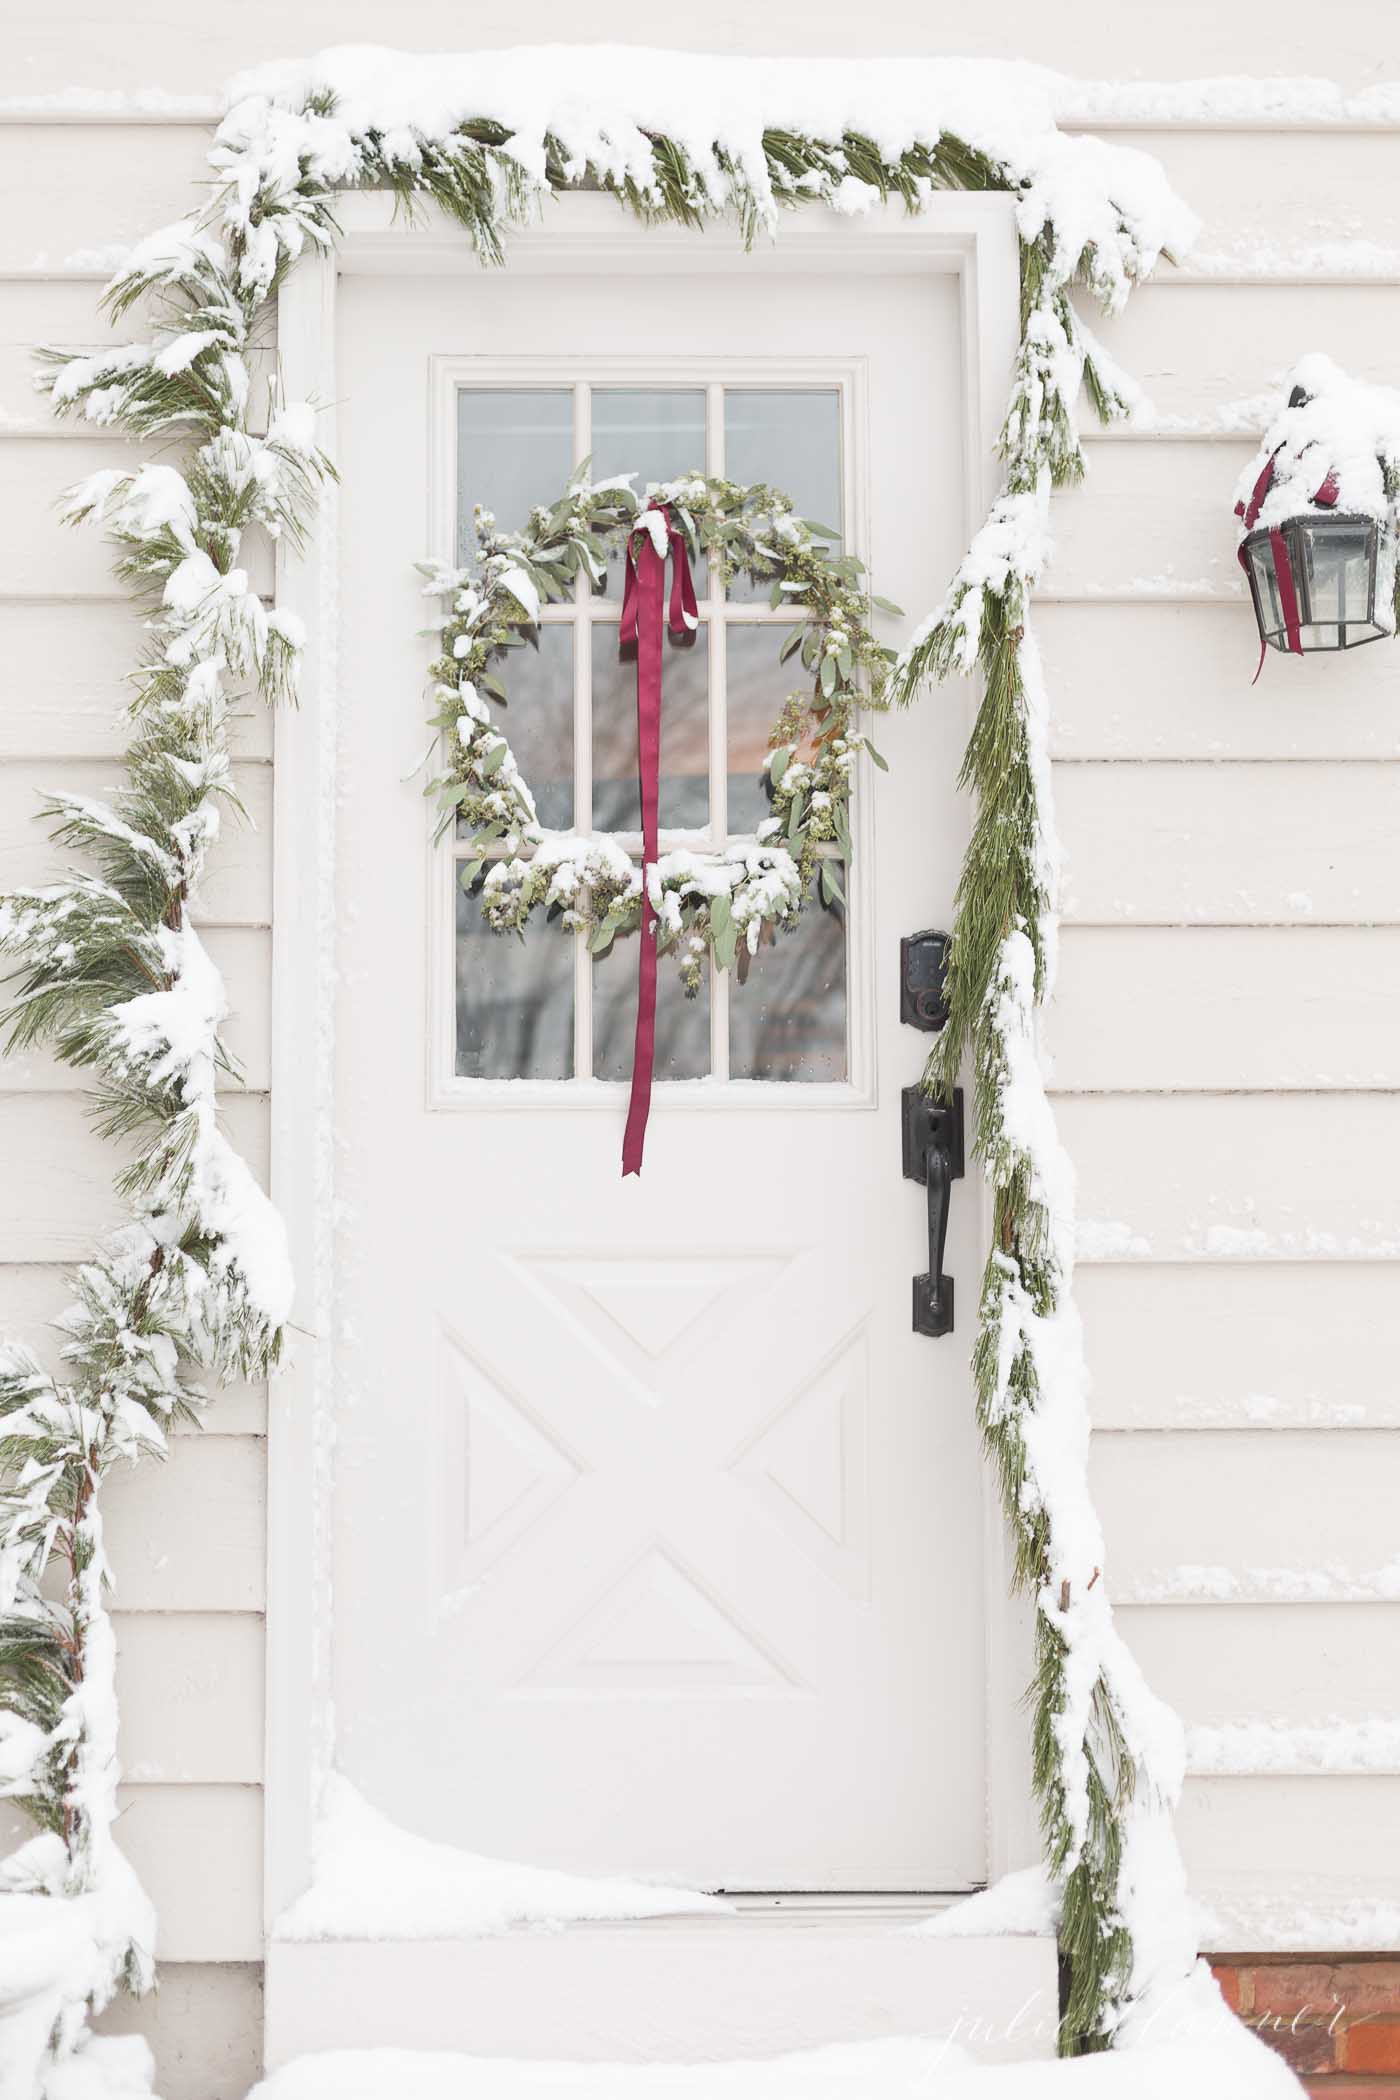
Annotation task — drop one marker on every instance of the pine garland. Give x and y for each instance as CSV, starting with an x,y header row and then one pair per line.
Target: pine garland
x,y
113,976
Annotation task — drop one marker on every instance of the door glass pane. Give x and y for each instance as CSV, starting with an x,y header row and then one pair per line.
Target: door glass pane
x,y
515,998
787,1015
515,448
757,685
537,719
654,433
682,1025
684,798
790,439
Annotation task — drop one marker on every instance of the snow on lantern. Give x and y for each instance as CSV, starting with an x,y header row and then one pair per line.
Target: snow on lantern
x,y
1318,537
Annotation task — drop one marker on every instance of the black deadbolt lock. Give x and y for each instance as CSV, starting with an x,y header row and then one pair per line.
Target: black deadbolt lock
x,y
923,974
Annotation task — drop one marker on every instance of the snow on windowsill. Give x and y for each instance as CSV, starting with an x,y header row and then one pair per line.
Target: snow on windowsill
x,y
372,1881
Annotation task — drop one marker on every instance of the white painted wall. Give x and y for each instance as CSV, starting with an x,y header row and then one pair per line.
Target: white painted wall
x,y
1228,1035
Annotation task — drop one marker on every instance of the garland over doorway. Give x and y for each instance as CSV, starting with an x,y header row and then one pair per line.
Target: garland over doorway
x,y
110,973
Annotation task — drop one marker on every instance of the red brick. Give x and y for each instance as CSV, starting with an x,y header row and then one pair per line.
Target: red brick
x,y
1231,1983
1304,2044
1353,2088
1290,1987
1373,2046
1368,1986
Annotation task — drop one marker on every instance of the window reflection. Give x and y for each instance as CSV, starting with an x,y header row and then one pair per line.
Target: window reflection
x,y
790,439
682,1025
684,793
787,1016
515,998
515,448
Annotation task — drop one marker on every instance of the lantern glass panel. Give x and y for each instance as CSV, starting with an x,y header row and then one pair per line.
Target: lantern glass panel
x,y
1336,579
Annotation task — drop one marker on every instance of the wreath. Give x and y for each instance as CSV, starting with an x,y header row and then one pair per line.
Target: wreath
x,y
705,902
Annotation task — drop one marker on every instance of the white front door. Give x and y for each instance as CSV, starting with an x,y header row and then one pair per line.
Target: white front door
x,y
658,1531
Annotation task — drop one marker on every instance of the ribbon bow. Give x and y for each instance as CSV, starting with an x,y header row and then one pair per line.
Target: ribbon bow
x,y
643,591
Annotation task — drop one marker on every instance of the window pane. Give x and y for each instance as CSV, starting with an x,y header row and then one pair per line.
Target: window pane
x,y
787,1017
792,441
684,799
515,998
682,1025
654,433
515,448
538,720
757,684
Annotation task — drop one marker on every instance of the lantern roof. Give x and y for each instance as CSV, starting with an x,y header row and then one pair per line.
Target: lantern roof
x,y
1334,446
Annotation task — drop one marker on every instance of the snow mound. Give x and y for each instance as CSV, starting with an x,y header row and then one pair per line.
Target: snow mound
x,y
371,1880
1025,1904
903,2069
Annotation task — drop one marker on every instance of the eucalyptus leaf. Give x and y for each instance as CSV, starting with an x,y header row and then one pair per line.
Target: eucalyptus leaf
x,y
887,605
882,763
821,532
721,913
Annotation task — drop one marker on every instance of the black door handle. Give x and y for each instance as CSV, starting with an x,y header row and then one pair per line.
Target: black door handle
x,y
933,1154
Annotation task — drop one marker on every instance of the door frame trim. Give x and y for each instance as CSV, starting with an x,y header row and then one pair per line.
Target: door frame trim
x,y
972,237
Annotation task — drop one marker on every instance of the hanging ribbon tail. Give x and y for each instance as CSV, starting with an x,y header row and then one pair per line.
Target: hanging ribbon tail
x,y
684,615
642,613
1287,593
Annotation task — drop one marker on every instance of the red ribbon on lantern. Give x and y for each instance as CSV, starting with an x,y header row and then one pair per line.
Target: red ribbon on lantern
x,y
1278,546
642,596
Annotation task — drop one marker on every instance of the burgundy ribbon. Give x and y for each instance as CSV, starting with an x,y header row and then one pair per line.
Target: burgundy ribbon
x,y
1283,567
643,592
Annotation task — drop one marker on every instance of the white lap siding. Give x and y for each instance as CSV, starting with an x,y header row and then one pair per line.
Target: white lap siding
x,y
1228,1033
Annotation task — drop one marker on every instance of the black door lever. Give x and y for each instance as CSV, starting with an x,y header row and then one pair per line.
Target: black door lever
x,y
933,1154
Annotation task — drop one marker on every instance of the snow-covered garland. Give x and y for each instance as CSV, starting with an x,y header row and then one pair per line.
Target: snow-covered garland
x,y
704,901
114,978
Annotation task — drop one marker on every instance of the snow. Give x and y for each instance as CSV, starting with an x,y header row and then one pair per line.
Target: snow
x,y
1297,1918
372,1880
1346,430
1369,1743
1326,1583
1024,1903
1199,2049
601,101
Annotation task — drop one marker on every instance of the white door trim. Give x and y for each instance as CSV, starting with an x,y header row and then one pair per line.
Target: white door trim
x,y
971,237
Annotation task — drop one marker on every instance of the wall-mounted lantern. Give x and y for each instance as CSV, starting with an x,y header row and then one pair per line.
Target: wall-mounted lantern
x,y
1319,547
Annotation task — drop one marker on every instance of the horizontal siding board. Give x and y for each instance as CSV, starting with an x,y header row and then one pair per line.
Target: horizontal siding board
x,y
1237,845
40,556
67,683
56,1198
1173,681
1238,1500
1298,1663
1292,1836
198,1852
237,887
71,191
1264,191
1150,519
31,1293
1209,351
1275,1007
204,2023
1242,1345
1238,1176
243,956
185,1534
190,1686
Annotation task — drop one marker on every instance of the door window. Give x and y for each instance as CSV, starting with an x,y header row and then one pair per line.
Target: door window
x,y
538,1007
